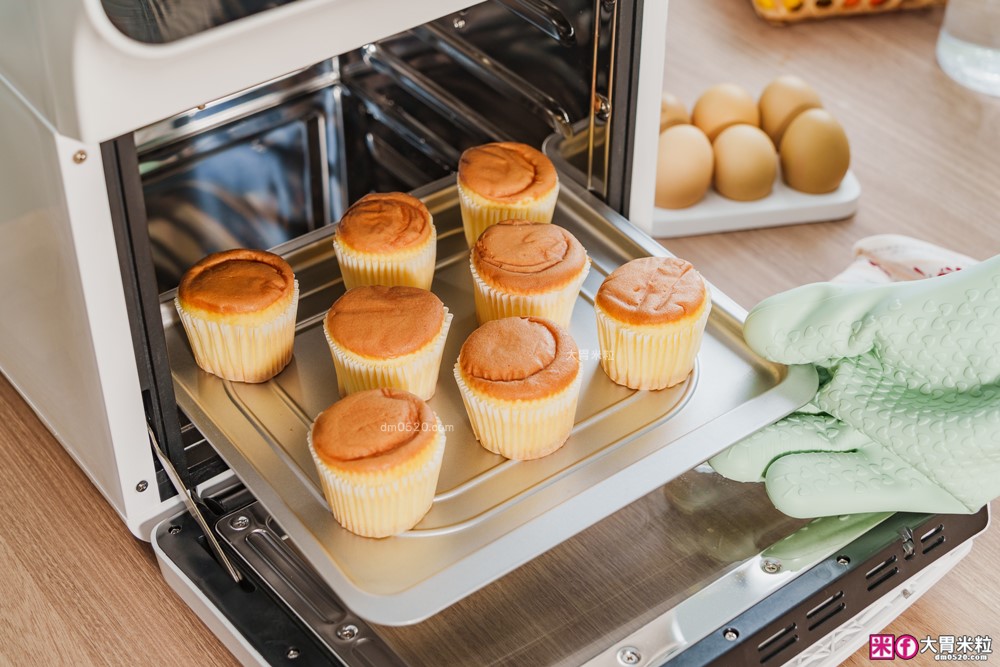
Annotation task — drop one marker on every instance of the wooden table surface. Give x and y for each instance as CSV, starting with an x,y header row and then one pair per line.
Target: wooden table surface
x,y
78,589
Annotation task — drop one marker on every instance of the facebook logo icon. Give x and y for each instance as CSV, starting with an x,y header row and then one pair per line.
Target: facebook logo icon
x,y
907,646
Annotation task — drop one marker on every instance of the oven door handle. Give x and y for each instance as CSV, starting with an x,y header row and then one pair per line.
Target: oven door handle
x,y
192,507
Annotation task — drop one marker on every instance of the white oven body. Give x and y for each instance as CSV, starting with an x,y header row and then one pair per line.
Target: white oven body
x,y
69,80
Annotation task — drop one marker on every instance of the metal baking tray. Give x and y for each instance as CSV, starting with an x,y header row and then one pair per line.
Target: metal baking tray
x,y
490,515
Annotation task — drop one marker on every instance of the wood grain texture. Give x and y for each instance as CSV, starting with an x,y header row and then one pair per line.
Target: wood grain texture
x,y
78,589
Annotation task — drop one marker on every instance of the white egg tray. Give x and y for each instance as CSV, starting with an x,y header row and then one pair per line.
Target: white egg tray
x,y
784,206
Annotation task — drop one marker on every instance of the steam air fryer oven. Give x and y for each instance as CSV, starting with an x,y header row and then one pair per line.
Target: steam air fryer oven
x,y
141,135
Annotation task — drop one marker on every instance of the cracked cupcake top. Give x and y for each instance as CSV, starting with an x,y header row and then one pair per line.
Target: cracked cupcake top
x,y
652,290
519,358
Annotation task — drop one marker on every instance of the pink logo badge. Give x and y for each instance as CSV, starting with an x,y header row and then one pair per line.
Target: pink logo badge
x,y
881,647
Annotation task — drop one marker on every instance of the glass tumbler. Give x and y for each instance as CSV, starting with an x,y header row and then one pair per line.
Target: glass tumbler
x,y
968,47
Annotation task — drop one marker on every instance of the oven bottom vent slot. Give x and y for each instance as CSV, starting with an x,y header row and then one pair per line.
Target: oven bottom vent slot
x,y
826,610
932,539
776,643
881,573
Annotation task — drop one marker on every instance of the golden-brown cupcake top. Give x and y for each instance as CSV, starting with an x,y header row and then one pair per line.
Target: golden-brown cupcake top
x,y
385,222
652,290
237,282
385,322
373,430
527,257
507,172
519,358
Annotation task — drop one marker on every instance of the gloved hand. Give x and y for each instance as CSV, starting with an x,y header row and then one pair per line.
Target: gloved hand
x,y
907,417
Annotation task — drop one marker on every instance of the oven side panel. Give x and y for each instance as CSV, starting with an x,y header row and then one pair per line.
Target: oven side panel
x,y
64,335
644,90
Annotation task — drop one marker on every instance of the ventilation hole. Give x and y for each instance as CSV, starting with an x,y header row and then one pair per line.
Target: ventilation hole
x,y
931,533
933,545
884,578
822,605
791,640
832,612
881,566
764,645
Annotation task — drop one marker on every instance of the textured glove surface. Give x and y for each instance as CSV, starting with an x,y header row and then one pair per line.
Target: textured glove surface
x,y
908,418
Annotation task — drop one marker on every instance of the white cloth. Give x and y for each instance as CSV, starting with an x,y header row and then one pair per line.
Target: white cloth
x,y
887,258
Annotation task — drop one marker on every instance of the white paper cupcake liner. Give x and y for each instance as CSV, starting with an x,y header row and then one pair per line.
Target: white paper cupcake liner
x,y
242,352
411,269
478,213
383,503
493,304
521,430
649,357
416,373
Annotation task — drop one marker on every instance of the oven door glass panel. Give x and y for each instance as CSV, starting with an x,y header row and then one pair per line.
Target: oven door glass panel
x,y
577,599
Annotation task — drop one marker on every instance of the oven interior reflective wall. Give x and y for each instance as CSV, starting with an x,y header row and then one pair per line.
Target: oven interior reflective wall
x,y
269,164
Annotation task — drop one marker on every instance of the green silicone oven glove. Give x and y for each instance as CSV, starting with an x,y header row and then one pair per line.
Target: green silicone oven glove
x,y
907,417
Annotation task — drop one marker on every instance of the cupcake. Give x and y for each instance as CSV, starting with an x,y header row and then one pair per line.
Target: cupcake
x,y
386,239
527,268
238,310
651,314
378,454
504,181
520,380
387,337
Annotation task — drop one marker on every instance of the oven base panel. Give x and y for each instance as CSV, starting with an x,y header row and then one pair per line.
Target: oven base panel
x,y
831,594
844,641
255,629
876,584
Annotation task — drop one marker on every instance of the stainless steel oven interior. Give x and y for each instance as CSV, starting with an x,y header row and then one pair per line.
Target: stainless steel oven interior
x,y
271,164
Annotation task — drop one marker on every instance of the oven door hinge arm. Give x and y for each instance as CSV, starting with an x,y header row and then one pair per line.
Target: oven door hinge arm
x,y
191,502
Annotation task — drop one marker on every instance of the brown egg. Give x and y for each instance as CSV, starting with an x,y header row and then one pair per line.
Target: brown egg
x,y
784,99
683,167
815,154
672,112
724,105
745,163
